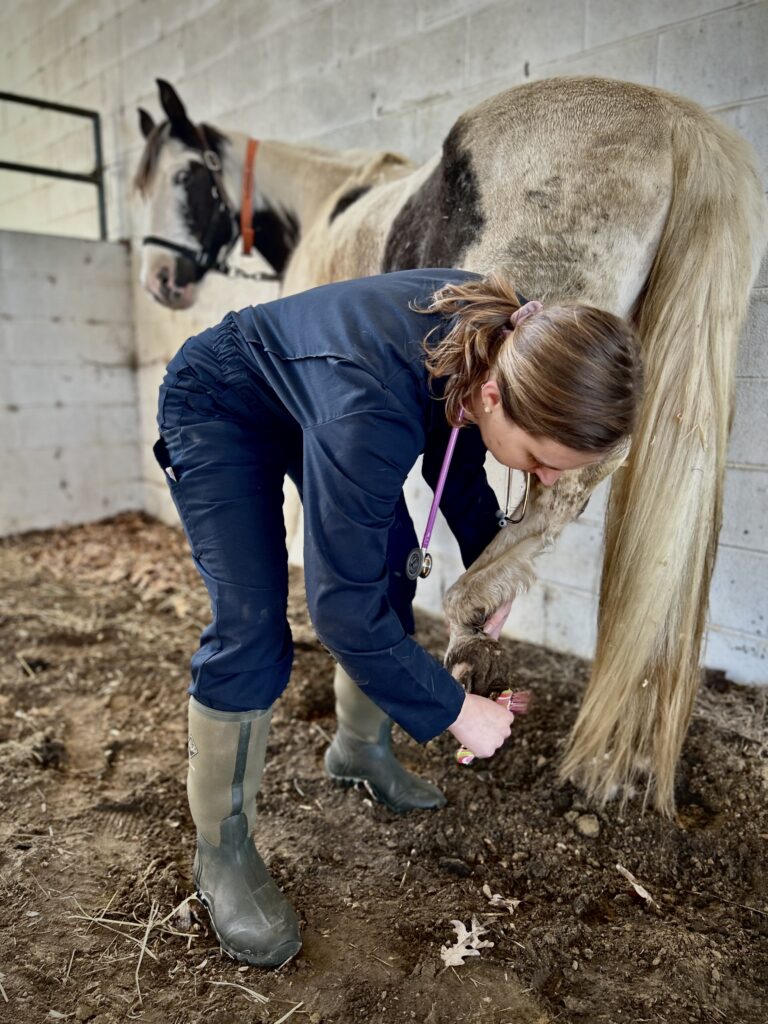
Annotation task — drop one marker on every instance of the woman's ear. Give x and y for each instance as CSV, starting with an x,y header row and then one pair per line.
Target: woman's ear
x,y
490,395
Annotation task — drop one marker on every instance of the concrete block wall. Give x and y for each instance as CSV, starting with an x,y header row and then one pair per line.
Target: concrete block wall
x,y
68,395
395,74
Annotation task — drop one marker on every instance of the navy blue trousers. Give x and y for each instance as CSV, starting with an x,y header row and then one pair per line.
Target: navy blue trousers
x,y
226,445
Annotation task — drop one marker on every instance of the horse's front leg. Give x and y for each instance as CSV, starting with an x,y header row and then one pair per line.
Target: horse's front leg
x,y
504,570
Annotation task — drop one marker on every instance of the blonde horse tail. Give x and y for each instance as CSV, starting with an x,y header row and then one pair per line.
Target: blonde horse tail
x,y
664,512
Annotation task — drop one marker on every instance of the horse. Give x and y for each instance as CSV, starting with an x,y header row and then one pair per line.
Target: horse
x,y
621,196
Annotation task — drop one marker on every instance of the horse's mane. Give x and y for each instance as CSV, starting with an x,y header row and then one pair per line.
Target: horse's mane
x,y
145,172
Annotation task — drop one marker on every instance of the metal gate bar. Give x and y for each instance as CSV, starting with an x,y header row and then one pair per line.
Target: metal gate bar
x,y
94,177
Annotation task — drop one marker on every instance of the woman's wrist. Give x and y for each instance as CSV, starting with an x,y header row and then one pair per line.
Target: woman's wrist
x,y
462,712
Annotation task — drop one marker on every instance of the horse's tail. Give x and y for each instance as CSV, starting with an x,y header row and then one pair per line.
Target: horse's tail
x,y
664,512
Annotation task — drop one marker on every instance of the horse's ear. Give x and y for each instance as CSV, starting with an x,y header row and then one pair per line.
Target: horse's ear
x,y
146,124
170,101
181,126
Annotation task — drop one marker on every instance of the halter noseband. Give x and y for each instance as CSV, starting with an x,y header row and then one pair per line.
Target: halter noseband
x,y
205,257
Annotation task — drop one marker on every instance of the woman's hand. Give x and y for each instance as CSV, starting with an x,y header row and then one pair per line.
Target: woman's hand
x,y
482,725
495,623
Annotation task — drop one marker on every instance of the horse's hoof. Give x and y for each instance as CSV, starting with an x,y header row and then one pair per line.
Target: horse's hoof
x,y
481,665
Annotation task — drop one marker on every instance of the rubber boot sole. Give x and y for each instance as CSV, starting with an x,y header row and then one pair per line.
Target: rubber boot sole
x,y
348,781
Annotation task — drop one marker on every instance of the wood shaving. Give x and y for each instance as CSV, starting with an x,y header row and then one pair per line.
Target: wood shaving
x,y
496,900
639,889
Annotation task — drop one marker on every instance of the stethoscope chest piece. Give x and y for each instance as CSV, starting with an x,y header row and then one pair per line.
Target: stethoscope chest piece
x,y
419,564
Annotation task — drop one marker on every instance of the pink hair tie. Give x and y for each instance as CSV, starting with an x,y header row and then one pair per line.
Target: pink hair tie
x,y
525,311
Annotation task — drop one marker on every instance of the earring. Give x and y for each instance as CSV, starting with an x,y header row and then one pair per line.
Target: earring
x,y
486,408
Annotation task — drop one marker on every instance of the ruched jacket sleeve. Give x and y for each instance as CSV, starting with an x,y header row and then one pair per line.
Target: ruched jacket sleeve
x,y
354,469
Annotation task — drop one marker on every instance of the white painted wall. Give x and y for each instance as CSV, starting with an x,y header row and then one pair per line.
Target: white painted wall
x,y
68,395
395,73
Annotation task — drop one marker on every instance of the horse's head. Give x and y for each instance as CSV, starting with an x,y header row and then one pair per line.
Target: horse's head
x,y
189,226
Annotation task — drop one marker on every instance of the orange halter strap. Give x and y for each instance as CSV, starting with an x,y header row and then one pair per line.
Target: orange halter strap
x,y
246,206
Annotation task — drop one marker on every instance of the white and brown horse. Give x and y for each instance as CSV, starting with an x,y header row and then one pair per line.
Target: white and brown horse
x,y
618,195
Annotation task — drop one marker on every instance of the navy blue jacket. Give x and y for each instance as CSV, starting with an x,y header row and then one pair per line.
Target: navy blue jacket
x,y
347,363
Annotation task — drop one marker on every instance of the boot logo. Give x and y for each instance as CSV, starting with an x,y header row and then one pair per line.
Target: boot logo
x,y
192,747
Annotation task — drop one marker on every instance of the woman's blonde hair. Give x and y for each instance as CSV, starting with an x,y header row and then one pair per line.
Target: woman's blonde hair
x,y
569,372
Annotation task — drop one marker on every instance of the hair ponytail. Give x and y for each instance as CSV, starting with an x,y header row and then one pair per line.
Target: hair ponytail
x,y
481,309
568,372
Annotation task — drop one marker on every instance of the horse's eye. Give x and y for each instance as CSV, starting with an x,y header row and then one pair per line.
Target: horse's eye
x,y
181,177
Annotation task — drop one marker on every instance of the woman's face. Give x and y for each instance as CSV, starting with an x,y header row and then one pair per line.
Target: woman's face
x,y
514,447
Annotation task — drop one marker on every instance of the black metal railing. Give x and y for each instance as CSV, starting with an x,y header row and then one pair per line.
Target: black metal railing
x,y
94,177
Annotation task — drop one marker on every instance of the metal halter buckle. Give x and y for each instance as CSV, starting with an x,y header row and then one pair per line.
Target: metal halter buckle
x,y
211,161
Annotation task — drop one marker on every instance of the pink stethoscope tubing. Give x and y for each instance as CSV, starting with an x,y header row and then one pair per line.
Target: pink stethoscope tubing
x,y
419,562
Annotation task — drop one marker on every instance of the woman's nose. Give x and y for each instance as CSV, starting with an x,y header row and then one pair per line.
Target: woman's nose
x,y
548,476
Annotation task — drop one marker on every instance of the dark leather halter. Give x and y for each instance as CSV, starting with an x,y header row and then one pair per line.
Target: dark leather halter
x,y
205,257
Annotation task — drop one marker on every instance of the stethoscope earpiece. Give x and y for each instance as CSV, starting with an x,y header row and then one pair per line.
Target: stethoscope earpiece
x,y
506,519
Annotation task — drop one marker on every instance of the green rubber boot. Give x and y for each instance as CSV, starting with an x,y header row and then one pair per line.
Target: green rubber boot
x,y
361,751
254,922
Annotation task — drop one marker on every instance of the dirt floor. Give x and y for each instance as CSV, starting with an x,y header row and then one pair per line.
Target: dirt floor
x,y
96,923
